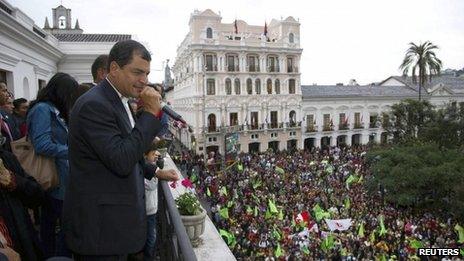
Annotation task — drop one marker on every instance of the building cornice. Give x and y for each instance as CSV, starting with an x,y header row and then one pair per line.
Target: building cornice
x,y
15,30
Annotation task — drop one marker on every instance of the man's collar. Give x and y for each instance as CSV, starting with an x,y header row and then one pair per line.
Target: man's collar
x,y
119,94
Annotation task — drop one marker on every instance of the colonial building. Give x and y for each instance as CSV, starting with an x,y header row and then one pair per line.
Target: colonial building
x,y
241,78
30,55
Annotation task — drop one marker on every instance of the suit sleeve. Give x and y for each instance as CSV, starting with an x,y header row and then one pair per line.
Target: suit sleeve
x,y
99,128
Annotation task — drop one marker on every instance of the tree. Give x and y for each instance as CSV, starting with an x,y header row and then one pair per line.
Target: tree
x,y
419,175
421,58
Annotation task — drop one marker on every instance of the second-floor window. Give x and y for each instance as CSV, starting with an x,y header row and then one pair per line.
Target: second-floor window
x,y
277,86
273,63
269,86
258,86
232,63
210,62
237,86
249,86
233,119
291,86
254,119
253,63
210,87
357,118
291,38
290,67
274,119
228,87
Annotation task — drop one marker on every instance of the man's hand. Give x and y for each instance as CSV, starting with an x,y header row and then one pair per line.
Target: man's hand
x,y
151,100
167,174
5,178
10,254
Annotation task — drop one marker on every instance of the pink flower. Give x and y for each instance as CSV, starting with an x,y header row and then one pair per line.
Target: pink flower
x,y
187,183
173,184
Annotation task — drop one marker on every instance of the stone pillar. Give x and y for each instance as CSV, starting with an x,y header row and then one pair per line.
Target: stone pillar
x,y
364,138
317,142
333,140
348,139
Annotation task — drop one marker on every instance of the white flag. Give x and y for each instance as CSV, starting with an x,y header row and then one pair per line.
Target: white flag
x,y
338,224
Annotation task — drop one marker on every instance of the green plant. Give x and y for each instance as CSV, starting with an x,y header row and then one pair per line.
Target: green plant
x,y
188,204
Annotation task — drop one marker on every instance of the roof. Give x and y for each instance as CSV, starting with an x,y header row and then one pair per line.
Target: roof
x,y
454,83
92,37
311,91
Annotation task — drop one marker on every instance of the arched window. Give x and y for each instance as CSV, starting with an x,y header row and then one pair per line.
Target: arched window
x,y
269,86
210,87
291,86
291,38
292,118
228,87
211,123
62,22
258,86
249,85
277,86
237,86
209,33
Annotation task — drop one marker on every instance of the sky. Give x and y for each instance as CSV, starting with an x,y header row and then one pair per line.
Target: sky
x,y
341,39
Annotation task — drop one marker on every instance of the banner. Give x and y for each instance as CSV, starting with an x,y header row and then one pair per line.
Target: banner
x,y
338,224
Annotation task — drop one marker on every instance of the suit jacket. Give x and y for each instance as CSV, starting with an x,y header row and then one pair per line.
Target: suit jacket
x,y
104,206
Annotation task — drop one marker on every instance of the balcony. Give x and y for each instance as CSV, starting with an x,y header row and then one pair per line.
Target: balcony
x,y
373,125
233,68
275,125
358,125
292,69
173,238
327,127
311,128
211,68
343,126
211,130
253,68
233,128
293,124
273,69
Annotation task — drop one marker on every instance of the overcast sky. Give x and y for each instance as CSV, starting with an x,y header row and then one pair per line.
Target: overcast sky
x,y
341,39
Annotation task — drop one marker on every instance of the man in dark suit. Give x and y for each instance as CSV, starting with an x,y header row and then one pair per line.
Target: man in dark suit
x,y
104,207
99,69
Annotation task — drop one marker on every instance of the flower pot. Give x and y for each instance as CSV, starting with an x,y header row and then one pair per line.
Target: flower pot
x,y
195,226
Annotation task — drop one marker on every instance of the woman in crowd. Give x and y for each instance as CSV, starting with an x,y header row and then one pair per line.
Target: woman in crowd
x,y
47,121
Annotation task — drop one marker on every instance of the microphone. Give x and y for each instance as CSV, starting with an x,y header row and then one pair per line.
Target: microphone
x,y
165,108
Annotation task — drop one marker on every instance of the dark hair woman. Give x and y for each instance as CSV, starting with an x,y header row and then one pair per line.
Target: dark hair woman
x,y
47,121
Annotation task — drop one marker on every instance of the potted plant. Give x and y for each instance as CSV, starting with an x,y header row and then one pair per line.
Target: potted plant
x,y
191,213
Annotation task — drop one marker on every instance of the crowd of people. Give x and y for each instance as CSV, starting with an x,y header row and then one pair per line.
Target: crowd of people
x,y
278,206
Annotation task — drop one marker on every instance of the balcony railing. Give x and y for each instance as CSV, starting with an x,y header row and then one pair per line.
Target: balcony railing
x,y
292,69
174,241
343,126
358,125
273,69
373,125
233,68
211,68
253,68
311,128
293,124
275,125
327,128
233,128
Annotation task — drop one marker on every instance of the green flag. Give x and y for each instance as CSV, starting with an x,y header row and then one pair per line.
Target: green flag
x,y
230,203
279,170
249,210
224,212
268,214
276,234
383,230
350,180
281,215
360,180
361,230
223,191
328,243
329,169
414,243
256,211
193,178
278,251
257,183
272,207
347,203
372,236
462,252
240,167
208,193
460,231
305,249
229,236
293,222
320,213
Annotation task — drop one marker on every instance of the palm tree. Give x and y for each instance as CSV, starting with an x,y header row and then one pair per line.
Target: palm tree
x,y
421,57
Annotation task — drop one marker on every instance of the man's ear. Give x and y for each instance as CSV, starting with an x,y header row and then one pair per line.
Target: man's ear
x,y
114,67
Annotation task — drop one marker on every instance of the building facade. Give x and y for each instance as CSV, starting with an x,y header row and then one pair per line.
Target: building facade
x,y
31,55
239,78
245,79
